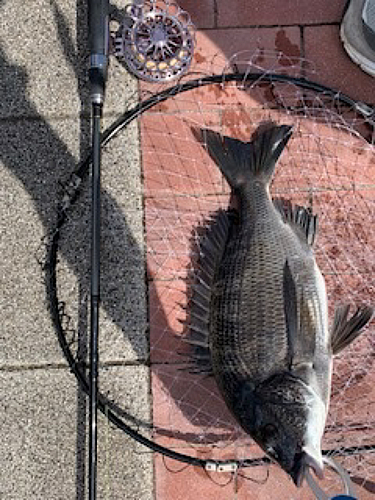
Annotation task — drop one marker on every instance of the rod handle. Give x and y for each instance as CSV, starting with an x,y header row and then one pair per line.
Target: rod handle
x,y
98,38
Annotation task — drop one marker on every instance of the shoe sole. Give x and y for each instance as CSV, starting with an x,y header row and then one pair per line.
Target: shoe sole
x,y
365,64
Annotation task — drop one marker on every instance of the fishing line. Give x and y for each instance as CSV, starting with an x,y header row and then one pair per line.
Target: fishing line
x,y
171,191
344,476
258,481
174,471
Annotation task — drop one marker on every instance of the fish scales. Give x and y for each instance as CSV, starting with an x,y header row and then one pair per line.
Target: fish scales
x,y
249,304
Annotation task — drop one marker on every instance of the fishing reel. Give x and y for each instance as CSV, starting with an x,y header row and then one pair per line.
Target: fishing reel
x,y
155,40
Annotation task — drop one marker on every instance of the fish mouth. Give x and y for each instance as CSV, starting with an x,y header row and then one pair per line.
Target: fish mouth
x,y
301,463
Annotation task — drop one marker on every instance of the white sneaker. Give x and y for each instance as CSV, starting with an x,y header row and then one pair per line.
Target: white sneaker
x,y
358,33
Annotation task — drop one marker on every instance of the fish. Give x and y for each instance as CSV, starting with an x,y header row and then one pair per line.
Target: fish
x,y
259,314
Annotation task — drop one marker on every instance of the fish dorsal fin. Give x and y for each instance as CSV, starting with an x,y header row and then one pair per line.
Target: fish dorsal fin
x,y
211,251
301,219
345,330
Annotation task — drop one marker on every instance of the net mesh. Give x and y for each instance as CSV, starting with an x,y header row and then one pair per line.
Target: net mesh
x,y
329,166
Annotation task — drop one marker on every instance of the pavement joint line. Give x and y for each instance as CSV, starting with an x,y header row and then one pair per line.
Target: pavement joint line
x,y
216,14
271,26
62,366
349,187
35,117
179,278
303,51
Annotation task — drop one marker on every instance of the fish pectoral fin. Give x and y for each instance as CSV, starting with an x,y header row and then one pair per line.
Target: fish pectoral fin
x,y
307,326
300,321
301,220
345,330
290,310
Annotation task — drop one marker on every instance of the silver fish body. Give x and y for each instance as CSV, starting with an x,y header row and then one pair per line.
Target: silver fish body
x,y
266,327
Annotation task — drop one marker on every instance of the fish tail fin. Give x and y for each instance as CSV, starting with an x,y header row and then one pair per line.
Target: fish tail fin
x,y
241,162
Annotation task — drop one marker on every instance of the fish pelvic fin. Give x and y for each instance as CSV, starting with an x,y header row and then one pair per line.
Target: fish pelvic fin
x,y
301,220
344,329
240,162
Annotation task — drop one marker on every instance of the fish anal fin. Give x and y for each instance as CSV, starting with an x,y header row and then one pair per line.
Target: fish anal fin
x,y
301,220
345,329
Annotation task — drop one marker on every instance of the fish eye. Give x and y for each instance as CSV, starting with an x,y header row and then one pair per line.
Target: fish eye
x,y
268,431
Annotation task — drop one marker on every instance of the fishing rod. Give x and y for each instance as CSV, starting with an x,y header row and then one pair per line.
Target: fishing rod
x,y
98,36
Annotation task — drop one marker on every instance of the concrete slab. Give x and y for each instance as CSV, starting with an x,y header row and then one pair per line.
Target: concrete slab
x,y
34,157
44,450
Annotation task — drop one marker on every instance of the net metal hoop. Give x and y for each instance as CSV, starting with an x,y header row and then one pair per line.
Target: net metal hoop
x,y
72,191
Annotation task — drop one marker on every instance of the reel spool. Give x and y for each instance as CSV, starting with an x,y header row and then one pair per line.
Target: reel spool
x,y
155,40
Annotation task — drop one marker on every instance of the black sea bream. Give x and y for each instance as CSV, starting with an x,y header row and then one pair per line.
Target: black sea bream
x,y
259,312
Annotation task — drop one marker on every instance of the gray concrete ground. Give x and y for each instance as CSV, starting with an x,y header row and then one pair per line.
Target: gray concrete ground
x,y
44,131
